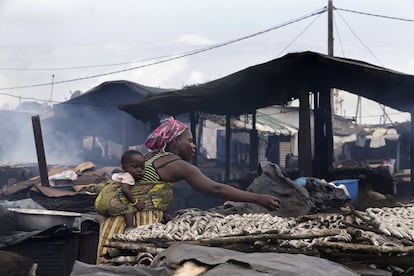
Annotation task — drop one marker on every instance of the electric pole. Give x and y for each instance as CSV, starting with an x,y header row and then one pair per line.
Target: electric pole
x,y
330,29
51,89
328,118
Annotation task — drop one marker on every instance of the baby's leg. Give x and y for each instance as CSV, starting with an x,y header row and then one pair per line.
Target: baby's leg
x,y
129,221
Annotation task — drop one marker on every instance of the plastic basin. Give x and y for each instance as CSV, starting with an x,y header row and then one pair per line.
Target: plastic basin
x,y
351,185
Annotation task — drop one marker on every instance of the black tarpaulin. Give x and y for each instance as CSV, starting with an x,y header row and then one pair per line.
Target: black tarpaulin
x,y
230,262
278,82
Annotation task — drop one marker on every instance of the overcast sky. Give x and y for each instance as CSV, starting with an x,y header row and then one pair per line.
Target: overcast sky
x,y
40,38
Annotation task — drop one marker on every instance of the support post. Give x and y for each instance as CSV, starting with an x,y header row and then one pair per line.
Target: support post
x,y
254,145
40,150
193,131
199,133
319,135
412,151
228,149
330,29
304,135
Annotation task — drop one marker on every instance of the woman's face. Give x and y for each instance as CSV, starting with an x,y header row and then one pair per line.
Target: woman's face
x,y
185,146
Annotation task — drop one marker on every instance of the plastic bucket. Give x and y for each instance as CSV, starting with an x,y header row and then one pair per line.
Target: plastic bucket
x,y
351,185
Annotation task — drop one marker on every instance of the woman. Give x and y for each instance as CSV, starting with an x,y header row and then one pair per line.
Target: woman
x,y
172,148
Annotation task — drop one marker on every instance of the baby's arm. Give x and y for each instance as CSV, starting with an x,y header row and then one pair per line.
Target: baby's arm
x,y
126,189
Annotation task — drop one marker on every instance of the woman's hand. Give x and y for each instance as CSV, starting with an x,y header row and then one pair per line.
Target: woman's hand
x,y
270,202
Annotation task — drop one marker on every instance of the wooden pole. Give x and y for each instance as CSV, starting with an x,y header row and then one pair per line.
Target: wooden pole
x,y
412,151
254,145
319,135
327,105
328,160
304,144
40,150
372,249
199,133
193,131
330,29
228,149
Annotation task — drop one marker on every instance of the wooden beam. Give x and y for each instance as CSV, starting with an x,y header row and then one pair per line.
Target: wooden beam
x,y
304,135
40,150
412,150
193,131
199,134
254,145
228,149
319,135
328,133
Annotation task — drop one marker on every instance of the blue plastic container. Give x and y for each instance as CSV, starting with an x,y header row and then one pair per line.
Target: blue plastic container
x,y
302,180
351,185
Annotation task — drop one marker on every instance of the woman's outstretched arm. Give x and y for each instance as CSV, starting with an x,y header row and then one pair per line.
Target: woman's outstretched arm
x,y
182,170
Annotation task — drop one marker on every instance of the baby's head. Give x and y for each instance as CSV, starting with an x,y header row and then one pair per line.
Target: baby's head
x,y
132,161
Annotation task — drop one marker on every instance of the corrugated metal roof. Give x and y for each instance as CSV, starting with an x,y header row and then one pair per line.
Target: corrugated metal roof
x,y
265,124
278,127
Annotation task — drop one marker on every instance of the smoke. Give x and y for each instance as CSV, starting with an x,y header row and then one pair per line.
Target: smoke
x,y
17,142
69,140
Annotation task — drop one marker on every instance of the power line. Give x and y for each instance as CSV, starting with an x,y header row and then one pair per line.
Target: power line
x,y
379,115
27,98
57,102
173,58
339,37
83,66
299,35
376,15
166,56
94,66
386,115
359,39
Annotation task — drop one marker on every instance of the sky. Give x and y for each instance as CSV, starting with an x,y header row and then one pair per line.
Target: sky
x,y
82,42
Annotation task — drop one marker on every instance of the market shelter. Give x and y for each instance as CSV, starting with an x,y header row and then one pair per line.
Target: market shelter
x,y
95,113
281,80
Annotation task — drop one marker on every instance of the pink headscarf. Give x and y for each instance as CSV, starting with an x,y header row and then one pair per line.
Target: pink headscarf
x,y
169,129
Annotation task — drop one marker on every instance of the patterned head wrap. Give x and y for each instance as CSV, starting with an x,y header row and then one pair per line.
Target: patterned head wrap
x,y
169,129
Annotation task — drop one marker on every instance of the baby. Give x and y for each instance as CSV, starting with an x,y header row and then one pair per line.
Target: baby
x,y
116,198
132,162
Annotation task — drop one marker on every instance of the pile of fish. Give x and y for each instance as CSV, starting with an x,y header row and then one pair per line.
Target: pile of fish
x,y
193,224
397,221
373,231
